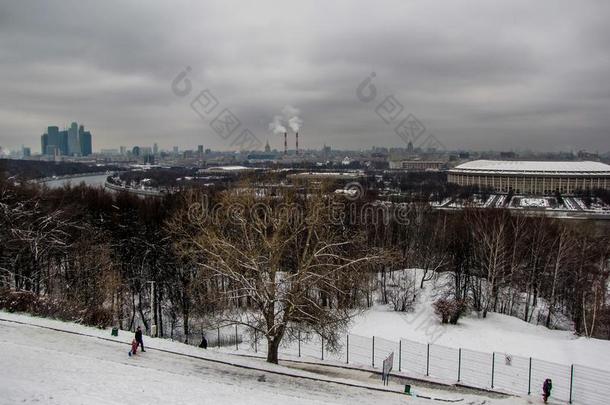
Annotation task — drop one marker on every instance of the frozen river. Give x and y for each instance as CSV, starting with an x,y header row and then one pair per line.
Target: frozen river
x,y
93,181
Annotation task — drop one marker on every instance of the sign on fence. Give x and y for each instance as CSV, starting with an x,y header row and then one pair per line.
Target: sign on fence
x,y
388,363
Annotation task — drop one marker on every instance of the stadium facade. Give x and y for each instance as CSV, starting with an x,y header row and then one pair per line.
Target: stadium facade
x,y
528,177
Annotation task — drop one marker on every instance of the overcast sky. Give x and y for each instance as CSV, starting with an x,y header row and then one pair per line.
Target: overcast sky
x,y
478,74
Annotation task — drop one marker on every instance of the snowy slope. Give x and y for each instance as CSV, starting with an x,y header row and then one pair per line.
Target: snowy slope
x,y
54,367
500,333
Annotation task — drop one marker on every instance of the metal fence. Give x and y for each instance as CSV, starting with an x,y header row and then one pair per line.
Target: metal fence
x,y
495,371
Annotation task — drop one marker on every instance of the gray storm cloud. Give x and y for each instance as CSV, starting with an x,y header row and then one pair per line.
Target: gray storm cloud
x,y
478,74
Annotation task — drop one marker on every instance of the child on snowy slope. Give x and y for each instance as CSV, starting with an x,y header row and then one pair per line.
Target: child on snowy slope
x,y
134,347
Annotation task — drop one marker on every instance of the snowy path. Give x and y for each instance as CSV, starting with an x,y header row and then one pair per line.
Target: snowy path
x,y
46,366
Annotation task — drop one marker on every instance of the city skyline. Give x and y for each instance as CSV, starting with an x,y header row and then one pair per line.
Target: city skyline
x,y
73,141
534,81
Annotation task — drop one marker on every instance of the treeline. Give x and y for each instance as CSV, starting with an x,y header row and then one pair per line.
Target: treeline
x,y
543,270
85,254
85,251
35,169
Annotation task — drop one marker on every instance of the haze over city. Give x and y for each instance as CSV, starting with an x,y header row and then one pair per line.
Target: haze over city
x,y
479,75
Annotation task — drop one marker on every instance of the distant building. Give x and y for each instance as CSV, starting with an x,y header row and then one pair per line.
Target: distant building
x,y
63,142
417,165
584,155
84,138
262,157
44,142
73,140
529,177
200,150
51,140
109,151
155,149
135,151
320,176
26,152
226,169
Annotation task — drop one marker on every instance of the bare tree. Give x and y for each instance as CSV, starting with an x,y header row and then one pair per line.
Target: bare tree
x,y
278,264
430,256
563,251
489,234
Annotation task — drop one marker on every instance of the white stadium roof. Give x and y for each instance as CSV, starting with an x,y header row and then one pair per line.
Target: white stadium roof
x,y
533,167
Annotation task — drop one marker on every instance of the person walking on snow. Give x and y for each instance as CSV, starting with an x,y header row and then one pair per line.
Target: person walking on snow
x,y
546,389
139,338
134,347
204,342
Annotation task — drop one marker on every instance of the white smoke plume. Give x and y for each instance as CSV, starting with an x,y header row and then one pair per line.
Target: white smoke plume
x,y
291,115
276,126
295,123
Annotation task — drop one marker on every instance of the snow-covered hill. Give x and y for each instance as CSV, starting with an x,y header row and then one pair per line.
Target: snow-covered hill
x,y
40,365
499,333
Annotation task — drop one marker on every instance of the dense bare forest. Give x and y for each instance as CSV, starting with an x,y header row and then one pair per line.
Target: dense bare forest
x,y
88,255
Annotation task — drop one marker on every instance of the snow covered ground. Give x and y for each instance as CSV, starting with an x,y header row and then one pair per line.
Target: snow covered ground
x,y
41,365
534,202
499,333
54,367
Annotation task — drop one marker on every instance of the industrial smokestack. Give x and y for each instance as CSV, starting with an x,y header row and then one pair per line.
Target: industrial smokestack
x,y
285,143
297,137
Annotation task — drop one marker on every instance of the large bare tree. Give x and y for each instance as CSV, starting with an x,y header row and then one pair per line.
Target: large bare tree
x,y
276,264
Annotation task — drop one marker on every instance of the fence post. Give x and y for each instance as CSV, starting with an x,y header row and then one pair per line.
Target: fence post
x,y
347,351
571,380
322,347
373,353
236,341
529,379
218,341
493,365
428,360
299,340
459,364
399,354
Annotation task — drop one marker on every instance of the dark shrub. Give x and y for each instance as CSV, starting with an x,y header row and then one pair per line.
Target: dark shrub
x,y
99,317
449,310
18,301
25,301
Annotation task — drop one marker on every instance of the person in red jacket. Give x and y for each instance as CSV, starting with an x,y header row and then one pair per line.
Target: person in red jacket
x,y
134,347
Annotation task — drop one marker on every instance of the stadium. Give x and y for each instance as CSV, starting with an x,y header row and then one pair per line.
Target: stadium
x,y
528,177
